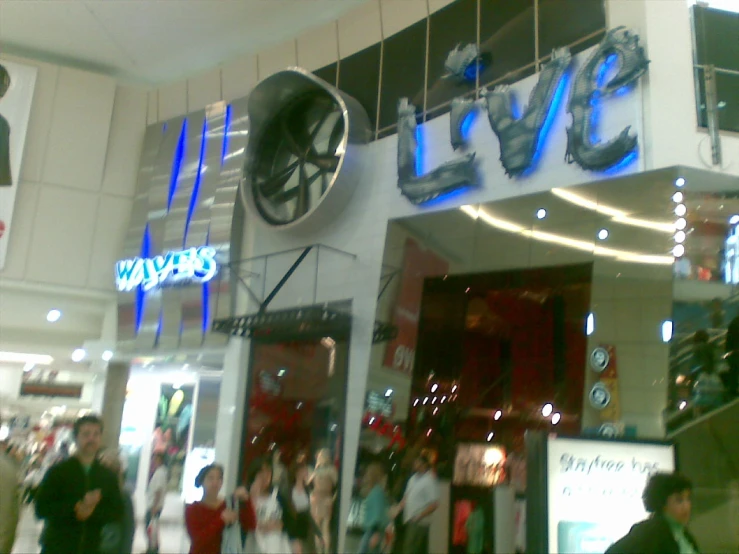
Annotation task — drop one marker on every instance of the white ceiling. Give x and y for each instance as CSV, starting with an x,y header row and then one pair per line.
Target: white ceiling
x,y
155,41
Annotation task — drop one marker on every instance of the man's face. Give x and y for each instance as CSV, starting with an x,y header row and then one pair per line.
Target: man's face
x,y
89,438
679,506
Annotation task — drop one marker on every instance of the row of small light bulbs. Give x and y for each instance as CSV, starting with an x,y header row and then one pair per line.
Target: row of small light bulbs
x,y
680,223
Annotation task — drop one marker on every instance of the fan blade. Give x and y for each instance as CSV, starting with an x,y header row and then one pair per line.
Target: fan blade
x,y
285,195
337,134
317,129
276,182
325,162
297,141
303,204
324,183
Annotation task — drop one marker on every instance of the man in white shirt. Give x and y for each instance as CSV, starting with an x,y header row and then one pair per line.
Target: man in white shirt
x,y
155,494
421,499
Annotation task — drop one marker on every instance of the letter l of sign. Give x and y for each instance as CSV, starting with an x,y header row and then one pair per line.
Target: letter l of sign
x,y
620,46
521,138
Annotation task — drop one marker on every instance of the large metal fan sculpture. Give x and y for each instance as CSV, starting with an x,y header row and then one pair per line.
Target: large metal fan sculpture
x,y
297,158
304,156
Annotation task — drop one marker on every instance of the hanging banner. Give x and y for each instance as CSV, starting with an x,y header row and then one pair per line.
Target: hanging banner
x,y
417,265
16,95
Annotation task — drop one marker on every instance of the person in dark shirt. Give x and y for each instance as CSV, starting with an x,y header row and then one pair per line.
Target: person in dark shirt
x,y
5,177
667,497
79,496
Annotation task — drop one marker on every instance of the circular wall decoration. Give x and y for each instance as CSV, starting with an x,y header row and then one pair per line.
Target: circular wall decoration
x,y
599,359
301,148
599,396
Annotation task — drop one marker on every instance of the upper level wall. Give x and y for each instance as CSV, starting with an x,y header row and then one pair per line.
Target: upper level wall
x,y
77,179
672,134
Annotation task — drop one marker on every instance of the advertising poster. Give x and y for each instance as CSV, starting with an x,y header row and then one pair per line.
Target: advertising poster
x,y
16,95
595,490
418,264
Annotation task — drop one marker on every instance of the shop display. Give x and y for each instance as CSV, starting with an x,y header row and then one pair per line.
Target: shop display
x,y
594,490
479,465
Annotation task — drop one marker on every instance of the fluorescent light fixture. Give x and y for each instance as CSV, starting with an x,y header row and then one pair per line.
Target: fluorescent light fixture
x,y
388,393
556,418
547,410
22,358
618,215
680,182
78,355
590,324
577,244
603,234
541,213
53,316
667,328
107,355
281,372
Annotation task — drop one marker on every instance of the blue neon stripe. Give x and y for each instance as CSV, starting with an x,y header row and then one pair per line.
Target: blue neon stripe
x,y
419,151
140,299
467,122
177,164
196,186
226,131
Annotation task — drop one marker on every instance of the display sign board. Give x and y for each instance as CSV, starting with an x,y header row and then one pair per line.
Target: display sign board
x,y
16,95
595,490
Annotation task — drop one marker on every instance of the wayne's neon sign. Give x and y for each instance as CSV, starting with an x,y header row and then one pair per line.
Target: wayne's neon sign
x,y
615,65
194,265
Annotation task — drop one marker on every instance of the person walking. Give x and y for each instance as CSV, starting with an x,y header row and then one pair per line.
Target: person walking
x,y
667,497
421,499
9,503
375,509
155,494
207,519
79,496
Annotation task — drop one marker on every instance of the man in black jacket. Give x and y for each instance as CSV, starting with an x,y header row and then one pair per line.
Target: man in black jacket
x,y
78,496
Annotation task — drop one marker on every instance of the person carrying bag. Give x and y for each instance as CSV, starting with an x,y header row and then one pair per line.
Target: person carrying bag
x,y
233,541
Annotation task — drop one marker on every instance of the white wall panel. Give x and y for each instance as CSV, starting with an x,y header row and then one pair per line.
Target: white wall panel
x,y
23,223
39,124
80,124
203,89
318,47
152,107
360,28
396,15
276,59
62,237
124,144
172,100
239,77
113,215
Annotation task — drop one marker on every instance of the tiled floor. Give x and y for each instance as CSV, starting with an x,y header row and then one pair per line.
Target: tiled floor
x,y
173,536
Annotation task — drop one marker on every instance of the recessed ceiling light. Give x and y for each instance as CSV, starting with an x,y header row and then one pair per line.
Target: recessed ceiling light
x,y
680,210
678,197
678,251
547,410
107,355
680,182
556,418
680,236
79,354
541,213
53,316
603,234
681,223
734,219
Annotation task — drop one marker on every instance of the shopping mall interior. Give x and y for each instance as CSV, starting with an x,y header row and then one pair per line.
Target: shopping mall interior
x,y
498,235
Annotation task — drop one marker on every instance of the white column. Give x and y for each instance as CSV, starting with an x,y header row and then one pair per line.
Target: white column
x,y
231,409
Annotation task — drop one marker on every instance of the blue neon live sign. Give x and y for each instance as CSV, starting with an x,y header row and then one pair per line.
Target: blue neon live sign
x,y
193,265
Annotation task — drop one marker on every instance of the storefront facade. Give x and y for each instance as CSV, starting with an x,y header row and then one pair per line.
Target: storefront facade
x,y
386,265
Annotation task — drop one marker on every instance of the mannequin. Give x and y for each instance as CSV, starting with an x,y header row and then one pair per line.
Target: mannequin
x,y
324,480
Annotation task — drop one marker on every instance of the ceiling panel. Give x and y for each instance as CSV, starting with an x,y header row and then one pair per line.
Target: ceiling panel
x,y
113,215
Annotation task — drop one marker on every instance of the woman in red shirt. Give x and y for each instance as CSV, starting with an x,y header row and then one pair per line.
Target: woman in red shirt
x,y
206,520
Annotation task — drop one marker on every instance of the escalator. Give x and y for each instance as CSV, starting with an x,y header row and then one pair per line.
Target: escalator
x,y
708,452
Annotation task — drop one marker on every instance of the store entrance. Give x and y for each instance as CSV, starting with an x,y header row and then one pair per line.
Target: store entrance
x,y
294,420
